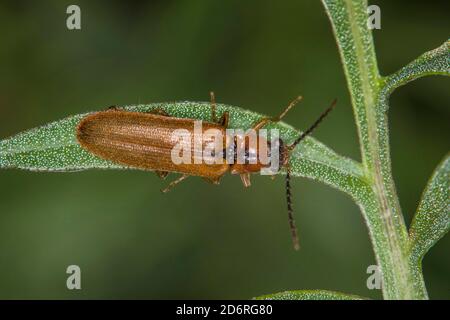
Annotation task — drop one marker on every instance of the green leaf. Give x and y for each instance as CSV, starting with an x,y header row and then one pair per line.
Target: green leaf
x,y
54,147
434,62
310,295
432,219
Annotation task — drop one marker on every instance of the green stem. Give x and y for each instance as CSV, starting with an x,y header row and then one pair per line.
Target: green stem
x,y
379,203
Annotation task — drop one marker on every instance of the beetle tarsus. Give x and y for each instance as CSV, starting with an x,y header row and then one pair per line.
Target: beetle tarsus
x,y
174,183
245,177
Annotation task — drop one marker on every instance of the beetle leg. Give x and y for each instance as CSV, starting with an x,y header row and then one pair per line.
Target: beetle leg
x,y
245,177
261,123
159,111
162,174
174,183
213,107
289,107
223,121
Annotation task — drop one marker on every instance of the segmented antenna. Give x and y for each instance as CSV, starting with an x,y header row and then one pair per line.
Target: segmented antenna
x,y
290,211
314,125
292,226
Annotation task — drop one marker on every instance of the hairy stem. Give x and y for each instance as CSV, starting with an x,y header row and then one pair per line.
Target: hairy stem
x,y
379,204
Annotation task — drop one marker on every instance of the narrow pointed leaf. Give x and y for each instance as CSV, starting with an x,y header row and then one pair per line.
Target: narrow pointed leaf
x,y
434,62
432,219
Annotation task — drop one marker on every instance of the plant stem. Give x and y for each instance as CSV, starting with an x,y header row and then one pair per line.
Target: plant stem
x,y
379,204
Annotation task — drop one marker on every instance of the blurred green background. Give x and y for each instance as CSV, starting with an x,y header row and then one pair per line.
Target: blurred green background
x,y
200,240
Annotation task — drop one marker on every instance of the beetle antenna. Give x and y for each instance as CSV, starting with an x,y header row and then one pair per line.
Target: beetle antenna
x,y
314,125
292,226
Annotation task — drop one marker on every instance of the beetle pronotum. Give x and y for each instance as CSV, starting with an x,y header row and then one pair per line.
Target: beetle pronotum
x,y
145,140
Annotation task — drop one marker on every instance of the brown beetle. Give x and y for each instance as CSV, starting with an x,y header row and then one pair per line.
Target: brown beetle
x,y
146,140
